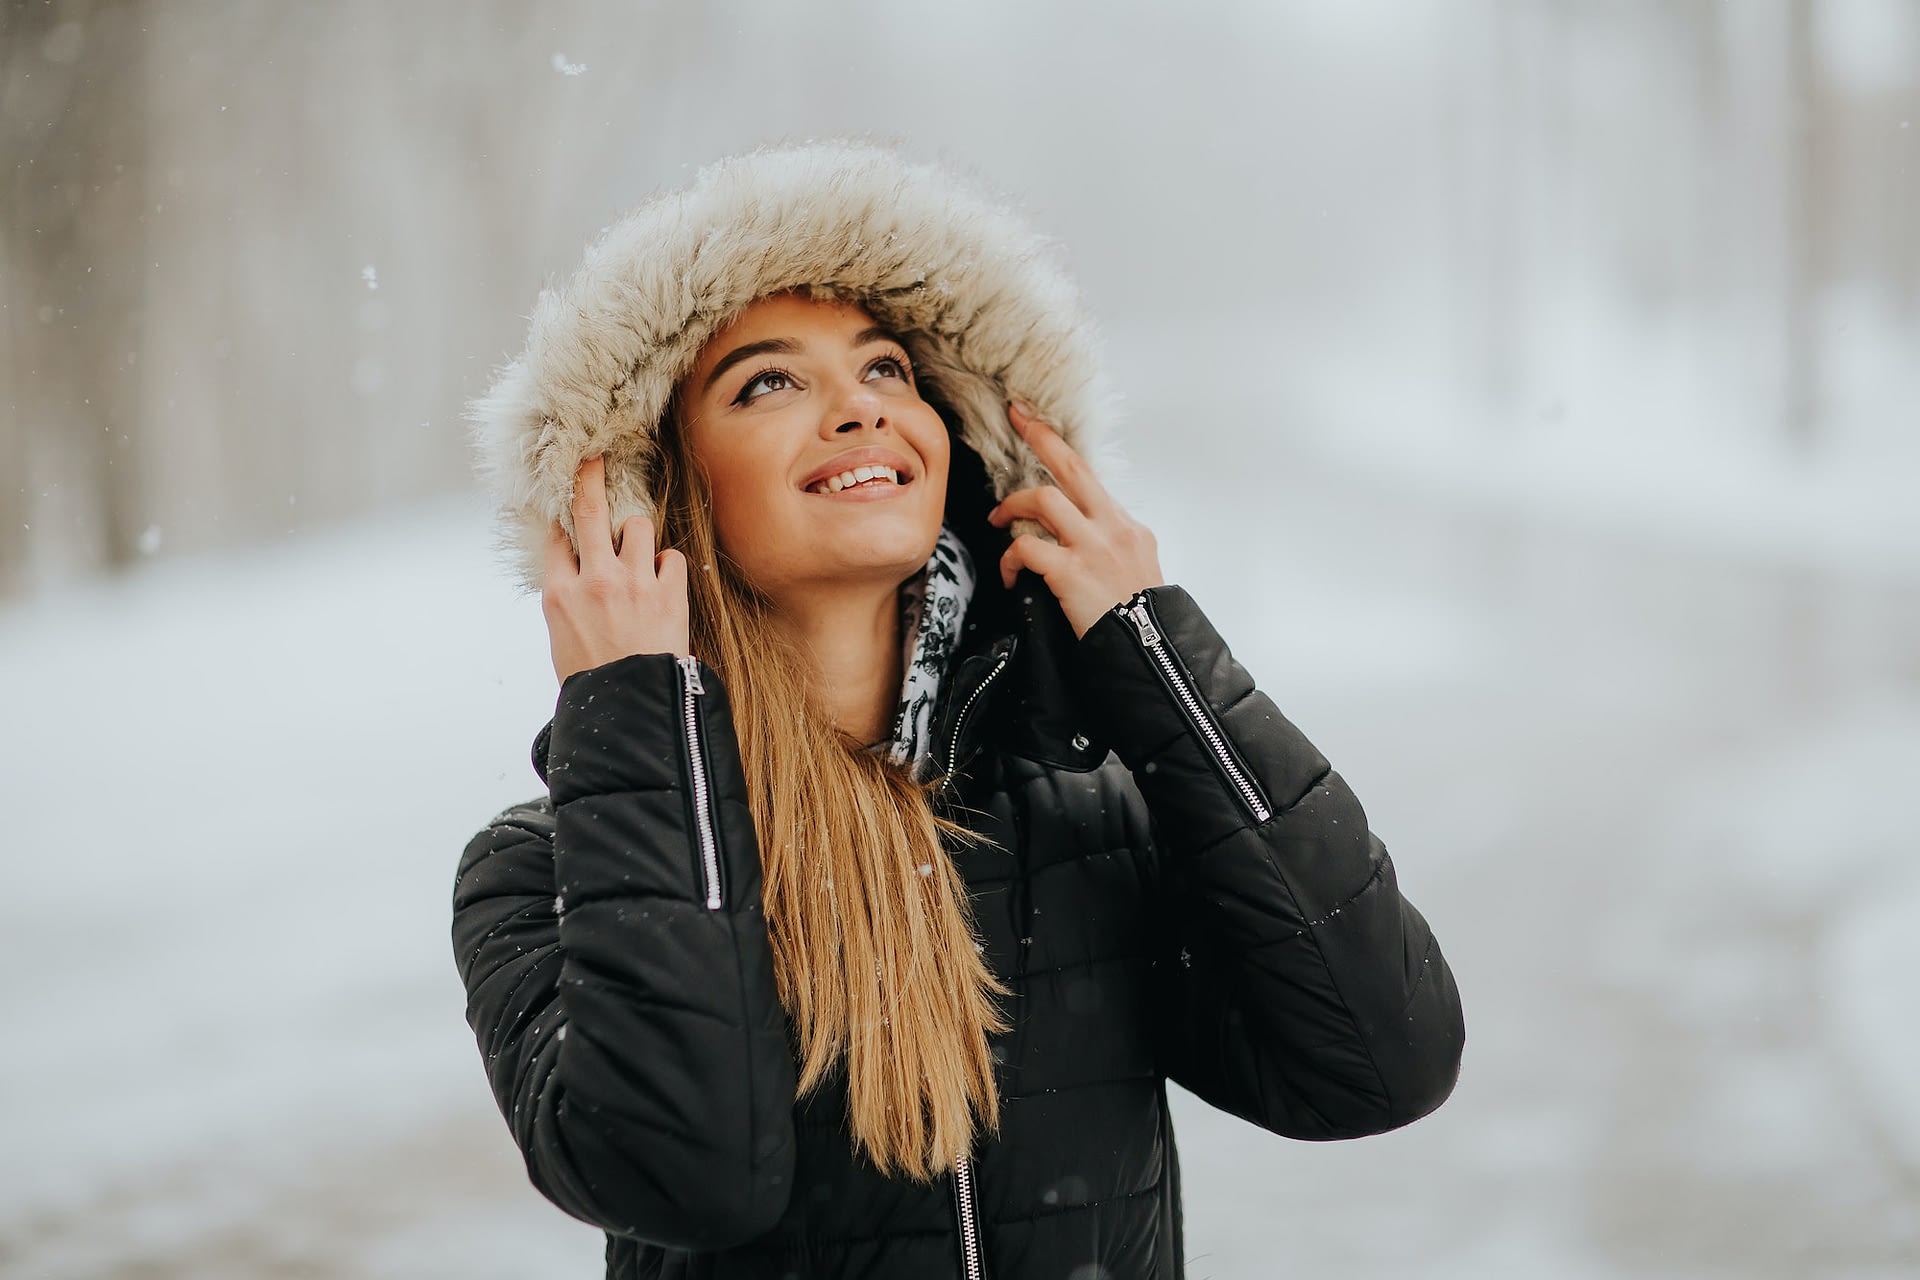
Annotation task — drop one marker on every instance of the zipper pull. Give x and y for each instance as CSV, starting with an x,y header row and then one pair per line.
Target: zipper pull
x,y
1143,622
691,665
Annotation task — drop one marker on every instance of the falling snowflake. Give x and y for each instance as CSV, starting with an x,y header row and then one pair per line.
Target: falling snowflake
x,y
566,68
371,276
149,539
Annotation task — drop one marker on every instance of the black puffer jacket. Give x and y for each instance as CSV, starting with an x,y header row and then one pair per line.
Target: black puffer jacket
x,y
1205,904
1174,885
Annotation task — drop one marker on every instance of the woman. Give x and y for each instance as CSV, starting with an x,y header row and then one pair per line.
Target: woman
x,y
906,832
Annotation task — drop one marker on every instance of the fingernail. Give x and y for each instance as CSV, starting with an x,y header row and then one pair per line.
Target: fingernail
x,y
1025,410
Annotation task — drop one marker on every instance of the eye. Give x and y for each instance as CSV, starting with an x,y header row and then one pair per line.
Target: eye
x,y
771,380
890,367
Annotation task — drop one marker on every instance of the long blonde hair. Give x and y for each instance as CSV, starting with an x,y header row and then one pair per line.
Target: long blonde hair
x,y
874,953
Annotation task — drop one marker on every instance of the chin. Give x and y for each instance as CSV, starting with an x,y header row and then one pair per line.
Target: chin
x,y
882,566
881,542
882,557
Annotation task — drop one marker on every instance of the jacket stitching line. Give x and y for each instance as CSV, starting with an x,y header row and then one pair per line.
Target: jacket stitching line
x,y
1346,1007
1078,1086
1074,860
537,963
1426,966
531,911
1228,708
1112,958
1319,781
608,982
1265,943
1057,1210
633,895
1333,978
1207,848
1379,873
1248,825
492,849
819,1126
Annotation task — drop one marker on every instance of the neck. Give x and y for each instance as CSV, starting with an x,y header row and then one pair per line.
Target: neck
x,y
853,636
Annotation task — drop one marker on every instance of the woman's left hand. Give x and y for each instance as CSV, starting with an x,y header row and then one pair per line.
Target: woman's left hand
x,y
1101,555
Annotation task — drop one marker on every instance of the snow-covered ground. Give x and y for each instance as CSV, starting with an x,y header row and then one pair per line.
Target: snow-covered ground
x,y
1651,792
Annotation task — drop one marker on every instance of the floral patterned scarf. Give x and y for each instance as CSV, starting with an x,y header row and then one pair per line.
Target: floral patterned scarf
x,y
932,606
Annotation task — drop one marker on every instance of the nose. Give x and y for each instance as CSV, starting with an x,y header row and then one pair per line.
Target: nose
x,y
857,408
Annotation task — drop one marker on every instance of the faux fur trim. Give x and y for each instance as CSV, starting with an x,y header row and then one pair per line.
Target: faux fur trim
x,y
979,299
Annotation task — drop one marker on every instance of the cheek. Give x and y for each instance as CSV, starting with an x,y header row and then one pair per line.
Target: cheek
x,y
936,449
736,485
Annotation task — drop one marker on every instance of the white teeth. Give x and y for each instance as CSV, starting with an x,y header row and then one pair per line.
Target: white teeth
x,y
859,475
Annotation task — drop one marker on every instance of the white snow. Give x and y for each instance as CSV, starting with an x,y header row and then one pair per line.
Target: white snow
x,y
239,786
1650,793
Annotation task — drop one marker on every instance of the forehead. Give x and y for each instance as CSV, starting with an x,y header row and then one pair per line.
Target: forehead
x,y
786,315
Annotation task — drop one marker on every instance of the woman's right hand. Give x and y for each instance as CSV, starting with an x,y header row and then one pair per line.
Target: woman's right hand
x,y
612,598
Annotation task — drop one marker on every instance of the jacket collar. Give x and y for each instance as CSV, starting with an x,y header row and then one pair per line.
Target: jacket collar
x,y
1010,688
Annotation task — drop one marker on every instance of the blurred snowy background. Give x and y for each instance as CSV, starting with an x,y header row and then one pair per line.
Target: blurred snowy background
x,y
1531,391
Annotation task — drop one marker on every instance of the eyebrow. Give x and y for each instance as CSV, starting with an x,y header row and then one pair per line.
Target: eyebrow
x,y
747,352
786,346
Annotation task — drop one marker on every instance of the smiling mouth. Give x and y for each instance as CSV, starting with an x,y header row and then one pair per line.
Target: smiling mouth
x,y
860,478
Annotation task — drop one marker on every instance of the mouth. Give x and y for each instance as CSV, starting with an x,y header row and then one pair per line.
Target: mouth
x,y
863,478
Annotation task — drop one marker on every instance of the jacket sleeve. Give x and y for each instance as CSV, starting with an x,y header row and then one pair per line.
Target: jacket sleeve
x,y
618,973
1301,991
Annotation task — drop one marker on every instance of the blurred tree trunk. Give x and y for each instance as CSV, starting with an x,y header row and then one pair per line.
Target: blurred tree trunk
x,y
73,245
1503,317
1906,249
1712,138
1802,174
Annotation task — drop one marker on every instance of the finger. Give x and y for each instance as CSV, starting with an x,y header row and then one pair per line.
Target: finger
x,y
593,539
671,568
634,546
559,559
1029,552
1049,506
1070,471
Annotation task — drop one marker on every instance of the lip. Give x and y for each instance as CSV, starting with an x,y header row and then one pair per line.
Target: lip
x,y
867,457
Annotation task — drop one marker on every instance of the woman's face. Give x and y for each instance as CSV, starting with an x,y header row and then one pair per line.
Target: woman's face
x,y
780,407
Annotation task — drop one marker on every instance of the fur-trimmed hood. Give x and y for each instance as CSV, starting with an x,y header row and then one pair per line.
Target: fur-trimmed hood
x,y
978,298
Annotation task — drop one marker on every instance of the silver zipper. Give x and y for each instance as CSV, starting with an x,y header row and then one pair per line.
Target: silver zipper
x,y
691,688
960,724
969,1219
1137,611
